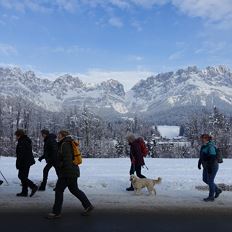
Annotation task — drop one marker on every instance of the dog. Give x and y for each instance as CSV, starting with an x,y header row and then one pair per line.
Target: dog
x,y
139,184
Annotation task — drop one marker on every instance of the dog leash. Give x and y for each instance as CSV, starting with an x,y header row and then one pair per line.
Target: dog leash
x,y
145,166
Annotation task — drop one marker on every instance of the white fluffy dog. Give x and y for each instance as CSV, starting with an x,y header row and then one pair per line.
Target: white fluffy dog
x,y
138,184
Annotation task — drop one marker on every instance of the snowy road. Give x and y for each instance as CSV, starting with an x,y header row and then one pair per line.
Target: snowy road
x,y
105,181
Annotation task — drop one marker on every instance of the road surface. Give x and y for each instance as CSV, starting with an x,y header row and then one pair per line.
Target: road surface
x,y
118,220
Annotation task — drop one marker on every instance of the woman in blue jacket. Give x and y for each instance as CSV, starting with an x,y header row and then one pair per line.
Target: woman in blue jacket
x,y
208,159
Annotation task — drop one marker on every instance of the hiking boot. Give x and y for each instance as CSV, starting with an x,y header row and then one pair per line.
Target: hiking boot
x,y
218,193
87,211
33,191
209,199
52,216
22,194
1,182
130,189
42,188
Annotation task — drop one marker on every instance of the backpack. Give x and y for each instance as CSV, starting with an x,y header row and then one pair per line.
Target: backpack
x,y
77,157
143,147
219,155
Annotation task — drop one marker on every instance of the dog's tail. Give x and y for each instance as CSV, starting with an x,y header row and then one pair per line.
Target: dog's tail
x,y
158,181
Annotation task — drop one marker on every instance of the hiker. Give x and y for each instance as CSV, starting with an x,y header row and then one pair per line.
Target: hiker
x,y
68,174
24,160
208,159
136,156
50,154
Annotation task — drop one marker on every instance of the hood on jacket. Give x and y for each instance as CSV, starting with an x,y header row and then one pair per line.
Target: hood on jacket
x,y
24,137
66,139
50,136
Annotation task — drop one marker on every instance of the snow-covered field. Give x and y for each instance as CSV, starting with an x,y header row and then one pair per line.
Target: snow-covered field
x,y
105,181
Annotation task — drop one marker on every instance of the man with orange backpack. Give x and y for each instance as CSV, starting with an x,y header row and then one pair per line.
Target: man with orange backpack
x,y
68,161
138,151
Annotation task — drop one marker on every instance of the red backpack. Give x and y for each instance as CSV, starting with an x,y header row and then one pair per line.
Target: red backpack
x,y
143,147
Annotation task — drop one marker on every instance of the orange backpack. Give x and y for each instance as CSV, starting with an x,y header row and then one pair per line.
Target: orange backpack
x,y
77,160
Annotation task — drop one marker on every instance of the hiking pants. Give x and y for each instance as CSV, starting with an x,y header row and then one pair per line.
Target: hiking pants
x,y
46,171
136,168
23,176
208,178
71,183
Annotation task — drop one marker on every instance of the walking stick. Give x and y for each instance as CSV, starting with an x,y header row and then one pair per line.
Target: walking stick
x,y
4,178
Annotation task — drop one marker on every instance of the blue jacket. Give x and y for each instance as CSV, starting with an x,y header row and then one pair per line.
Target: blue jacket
x,y
208,155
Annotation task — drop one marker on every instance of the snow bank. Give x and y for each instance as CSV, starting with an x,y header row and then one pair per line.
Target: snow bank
x,y
105,181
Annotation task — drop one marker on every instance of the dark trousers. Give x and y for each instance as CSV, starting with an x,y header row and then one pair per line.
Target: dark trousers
x,y
208,178
136,168
46,171
23,176
72,185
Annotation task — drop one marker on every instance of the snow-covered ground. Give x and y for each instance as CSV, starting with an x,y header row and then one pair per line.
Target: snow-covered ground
x,y
105,181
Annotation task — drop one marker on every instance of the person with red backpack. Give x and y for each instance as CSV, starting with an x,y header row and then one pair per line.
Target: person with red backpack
x,y
138,151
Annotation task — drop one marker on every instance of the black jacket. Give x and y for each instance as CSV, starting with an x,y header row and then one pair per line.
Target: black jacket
x,y
65,159
50,149
24,153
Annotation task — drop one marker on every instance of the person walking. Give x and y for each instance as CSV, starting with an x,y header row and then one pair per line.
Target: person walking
x,y
68,175
24,160
1,182
50,154
208,159
136,156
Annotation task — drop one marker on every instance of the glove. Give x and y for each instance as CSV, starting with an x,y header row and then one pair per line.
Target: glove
x,y
40,159
199,164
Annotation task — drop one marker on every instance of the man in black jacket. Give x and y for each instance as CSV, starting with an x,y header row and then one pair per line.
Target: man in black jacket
x,y
50,155
24,161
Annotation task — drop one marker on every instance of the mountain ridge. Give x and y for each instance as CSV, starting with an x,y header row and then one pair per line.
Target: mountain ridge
x,y
163,92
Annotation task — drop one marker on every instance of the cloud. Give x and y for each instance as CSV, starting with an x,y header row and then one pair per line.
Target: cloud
x,y
67,5
75,49
39,6
115,22
213,11
135,58
148,3
121,4
127,78
214,48
7,49
137,25
68,50
176,55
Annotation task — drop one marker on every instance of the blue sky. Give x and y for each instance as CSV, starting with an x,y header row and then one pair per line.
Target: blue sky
x,y
123,39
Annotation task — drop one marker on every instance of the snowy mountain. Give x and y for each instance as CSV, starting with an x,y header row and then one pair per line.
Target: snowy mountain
x,y
183,90
65,91
164,96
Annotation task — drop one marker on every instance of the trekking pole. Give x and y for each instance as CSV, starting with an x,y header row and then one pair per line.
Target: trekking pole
x,y
4,178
